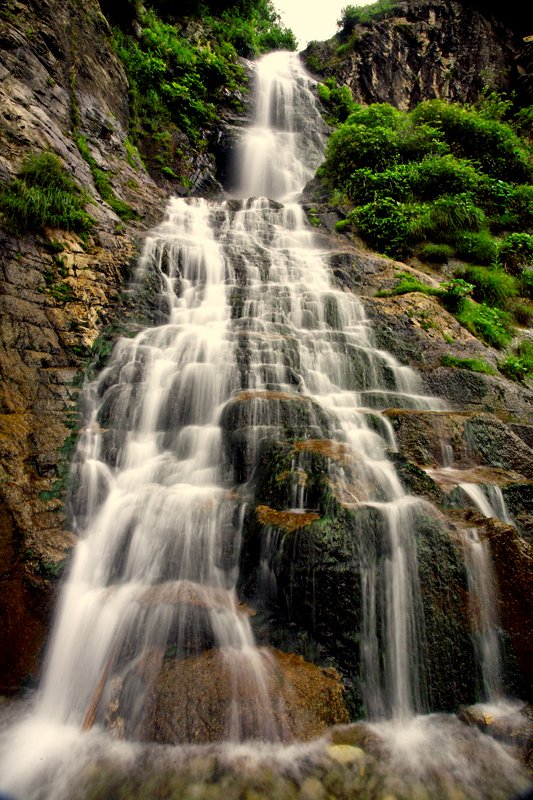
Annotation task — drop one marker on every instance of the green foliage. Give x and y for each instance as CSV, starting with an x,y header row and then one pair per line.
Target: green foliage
x,y
103,184
454,293
443,181
352,147
448,216
436,253
409,283
519,367
493,145
491,286
337,99
472,364
43,195
385,225
490,324
377,115
365,15
481,247
516,253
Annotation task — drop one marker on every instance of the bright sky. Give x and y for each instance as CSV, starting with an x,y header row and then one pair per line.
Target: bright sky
x,y
313,19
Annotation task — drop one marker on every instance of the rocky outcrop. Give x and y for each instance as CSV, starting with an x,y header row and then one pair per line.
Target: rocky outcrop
x,y
59,72
423,50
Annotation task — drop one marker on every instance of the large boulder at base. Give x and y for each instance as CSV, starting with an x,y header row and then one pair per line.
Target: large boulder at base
x,y
198,699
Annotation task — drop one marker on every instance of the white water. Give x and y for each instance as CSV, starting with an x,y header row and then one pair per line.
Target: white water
x,y
483,612
488,499
251,310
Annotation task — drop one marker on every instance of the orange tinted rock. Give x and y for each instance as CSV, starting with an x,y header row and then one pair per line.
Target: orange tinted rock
x,y
193,699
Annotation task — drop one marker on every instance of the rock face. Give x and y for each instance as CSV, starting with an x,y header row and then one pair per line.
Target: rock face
x,y
189,699
61,79
58,293
423,50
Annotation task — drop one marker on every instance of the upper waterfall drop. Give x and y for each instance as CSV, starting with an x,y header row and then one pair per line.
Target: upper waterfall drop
x,y
284,145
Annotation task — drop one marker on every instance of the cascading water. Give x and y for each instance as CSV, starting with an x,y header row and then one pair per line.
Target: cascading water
x,y
254,323
488,499
482,593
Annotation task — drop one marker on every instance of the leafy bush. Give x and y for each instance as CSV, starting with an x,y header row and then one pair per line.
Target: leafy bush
x,y
385,224
436,253
490,324
449,216
448,176
481,248
493,145
337,99
440,175
419,141
454,294
377,115
519,367
516,253
44,194
491,286
354,146
364,15
472,364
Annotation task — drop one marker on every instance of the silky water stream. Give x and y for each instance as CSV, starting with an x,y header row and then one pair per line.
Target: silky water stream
x,y
158,504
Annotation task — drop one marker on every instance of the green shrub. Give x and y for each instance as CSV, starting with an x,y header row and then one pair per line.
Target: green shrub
x,y
365,186
436,253
364,15
493,145
354,146
337,99
481,248
449,216
490,324
516,253
519,367
491,286
472,364
441,175
43,195
416,142
385,225
377,115
454,294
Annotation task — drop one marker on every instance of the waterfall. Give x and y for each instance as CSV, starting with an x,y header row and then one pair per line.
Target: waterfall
x,y
482,594
257,340
488,499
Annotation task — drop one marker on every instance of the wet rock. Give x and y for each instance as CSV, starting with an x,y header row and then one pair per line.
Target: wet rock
x,y
191,699
345,753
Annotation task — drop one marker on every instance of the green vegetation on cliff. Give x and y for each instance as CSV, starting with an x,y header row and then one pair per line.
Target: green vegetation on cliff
x,y
440,182
42,195
183,67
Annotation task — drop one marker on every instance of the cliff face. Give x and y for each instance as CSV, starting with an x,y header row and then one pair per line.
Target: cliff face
x,y
58,71
423,50
62,83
